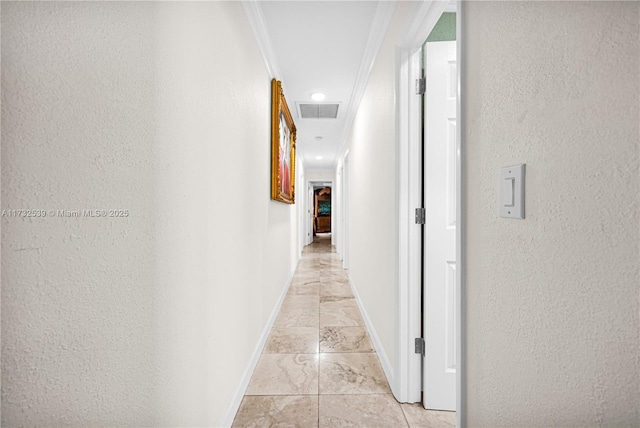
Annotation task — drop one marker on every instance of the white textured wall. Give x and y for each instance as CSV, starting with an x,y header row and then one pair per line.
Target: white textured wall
x,y
161,108
552,312
320,175
372,192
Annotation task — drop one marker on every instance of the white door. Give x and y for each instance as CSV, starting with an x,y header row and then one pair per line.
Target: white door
x,y
439,315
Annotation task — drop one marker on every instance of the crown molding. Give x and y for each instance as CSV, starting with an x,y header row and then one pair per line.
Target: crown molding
x,y
421,21
253,11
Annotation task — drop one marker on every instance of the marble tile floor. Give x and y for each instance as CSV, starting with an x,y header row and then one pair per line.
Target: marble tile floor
x,y
319,367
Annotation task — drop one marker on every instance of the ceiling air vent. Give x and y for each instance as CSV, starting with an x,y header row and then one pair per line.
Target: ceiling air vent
x,y
318,111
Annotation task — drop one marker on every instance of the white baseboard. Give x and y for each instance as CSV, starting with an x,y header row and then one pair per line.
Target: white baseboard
x,y
375,340
253,362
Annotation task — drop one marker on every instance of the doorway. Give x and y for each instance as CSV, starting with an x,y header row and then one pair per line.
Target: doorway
x,y
411,198
309,214
320,209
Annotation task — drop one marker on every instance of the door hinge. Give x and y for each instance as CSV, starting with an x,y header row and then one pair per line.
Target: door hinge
x,y
420,346
421,215
421,86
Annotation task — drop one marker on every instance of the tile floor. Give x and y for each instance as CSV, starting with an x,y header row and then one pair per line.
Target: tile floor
x,y
318,367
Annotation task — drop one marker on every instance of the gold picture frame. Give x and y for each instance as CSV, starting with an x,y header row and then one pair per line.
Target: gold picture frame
x,y
283,147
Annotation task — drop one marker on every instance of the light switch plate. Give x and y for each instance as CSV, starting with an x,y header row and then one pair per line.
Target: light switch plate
x,y
511,189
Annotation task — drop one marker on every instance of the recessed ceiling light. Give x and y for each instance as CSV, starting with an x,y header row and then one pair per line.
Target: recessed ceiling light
x,y
318,96
319,157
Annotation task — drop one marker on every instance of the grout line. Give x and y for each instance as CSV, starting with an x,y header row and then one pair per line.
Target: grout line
x,y
361,393
319,316
404,414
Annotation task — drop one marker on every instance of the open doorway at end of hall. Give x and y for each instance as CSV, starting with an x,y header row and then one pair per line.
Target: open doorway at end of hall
x,y
321,207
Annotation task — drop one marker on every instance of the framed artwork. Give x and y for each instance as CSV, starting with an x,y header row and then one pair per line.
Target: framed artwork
x,y
283,147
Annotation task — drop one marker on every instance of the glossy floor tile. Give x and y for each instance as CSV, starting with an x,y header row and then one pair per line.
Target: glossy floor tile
x,y
309,289
331,301
278,411
285,374
334,289
346,316
418,417
292,302
334,280
351,373
292,340
304,281
319,366
371,410
297,317
345,339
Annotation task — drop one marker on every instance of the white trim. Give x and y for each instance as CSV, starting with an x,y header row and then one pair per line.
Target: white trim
x,y
420,22
309,213
253,11
233,407
333,210
452,6
379,26
300,204
312,184
337,234
461,244
408,155
345,213
375,340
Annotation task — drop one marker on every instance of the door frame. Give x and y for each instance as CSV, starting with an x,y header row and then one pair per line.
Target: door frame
x,y
312,184
344,217
407,366
309,214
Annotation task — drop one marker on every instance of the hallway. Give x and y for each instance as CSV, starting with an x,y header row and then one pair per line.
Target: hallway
x,y
144,258
319,367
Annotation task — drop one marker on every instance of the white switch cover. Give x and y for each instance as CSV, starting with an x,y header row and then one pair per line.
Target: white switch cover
x,y
511,204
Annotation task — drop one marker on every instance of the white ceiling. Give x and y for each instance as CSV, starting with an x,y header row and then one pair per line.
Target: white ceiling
x,y
320,46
